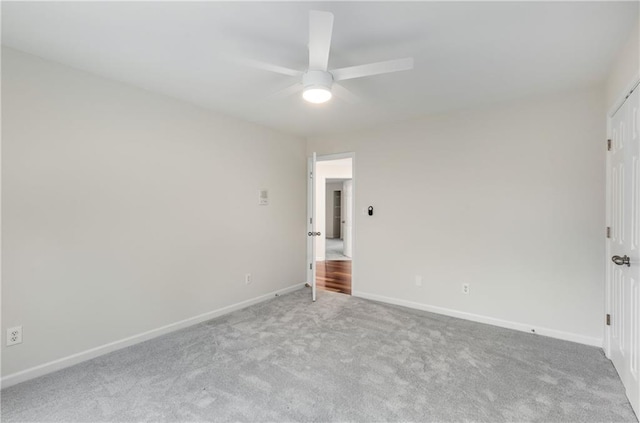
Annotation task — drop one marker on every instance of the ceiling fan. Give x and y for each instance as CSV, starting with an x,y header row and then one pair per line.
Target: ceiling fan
x,y
318,83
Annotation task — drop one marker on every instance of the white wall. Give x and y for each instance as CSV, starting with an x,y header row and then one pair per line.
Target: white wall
x,y
625,68
326,170
124,211
509,199
329,206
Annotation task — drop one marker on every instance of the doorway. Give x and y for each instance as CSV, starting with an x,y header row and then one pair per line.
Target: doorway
x,y
334,211
333,200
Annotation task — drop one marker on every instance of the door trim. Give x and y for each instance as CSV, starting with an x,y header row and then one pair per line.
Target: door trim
x,y
607,247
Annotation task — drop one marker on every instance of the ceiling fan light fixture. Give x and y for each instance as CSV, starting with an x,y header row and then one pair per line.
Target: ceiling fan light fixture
x,y
317,86
317,95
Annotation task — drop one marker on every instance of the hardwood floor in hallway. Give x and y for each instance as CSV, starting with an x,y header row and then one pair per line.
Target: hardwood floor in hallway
x,y
334,275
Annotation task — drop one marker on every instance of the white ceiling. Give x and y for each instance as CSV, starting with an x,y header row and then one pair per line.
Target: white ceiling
x,y
467,54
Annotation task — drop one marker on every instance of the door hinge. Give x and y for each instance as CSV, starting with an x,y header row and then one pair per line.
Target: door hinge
x,y
310,266
311,220
608,145
608,231
608,320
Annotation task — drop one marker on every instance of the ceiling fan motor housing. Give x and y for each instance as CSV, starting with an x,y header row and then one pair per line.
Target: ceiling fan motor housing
x,y
317,79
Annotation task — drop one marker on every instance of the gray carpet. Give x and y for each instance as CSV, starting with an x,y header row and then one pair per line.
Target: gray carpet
x,y
334,249
339,359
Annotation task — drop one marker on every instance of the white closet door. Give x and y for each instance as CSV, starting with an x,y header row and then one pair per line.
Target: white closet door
x,y
624,246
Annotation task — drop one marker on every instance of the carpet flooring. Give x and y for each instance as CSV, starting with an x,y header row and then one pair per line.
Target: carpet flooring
x,y
338,359
334,249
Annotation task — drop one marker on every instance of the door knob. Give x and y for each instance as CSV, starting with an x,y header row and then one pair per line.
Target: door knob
x,y
620,261
314,234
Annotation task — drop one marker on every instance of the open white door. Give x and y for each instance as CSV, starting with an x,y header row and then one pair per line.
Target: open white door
x,y
623,290
311,225
347,192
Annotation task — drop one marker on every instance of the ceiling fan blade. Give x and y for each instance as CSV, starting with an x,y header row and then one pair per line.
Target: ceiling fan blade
x,y
320,29
285,92
268,67
344,94
372,69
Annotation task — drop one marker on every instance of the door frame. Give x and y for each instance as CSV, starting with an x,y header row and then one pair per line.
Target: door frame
x,y
347,155
608,298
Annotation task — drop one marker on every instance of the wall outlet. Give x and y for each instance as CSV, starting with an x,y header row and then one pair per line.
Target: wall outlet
x,y
263,197
418,279
14,335
465,288
247,278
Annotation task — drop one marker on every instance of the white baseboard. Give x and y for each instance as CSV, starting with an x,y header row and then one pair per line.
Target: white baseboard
x,y
552,333
70,360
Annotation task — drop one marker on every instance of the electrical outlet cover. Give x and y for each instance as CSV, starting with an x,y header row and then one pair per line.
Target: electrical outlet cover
x,y
14,335
263,197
